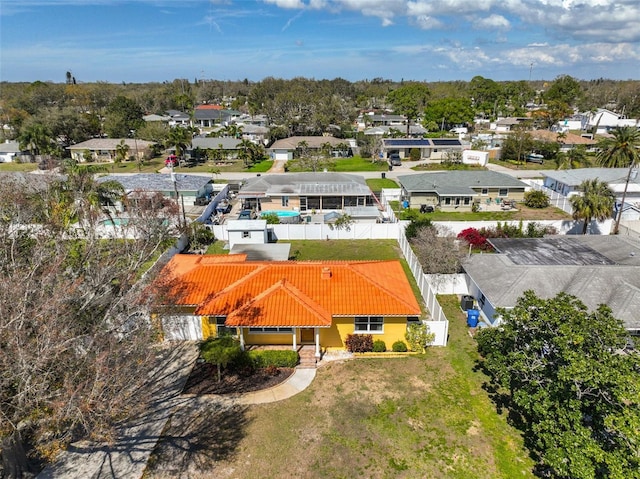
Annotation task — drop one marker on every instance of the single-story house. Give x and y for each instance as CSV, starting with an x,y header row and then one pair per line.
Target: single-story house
x,y
434,148
189,187
230,146
457,190
597,269
414,130
104,149
285,148
567,142
306,192
10,151
566,182
285,302
508,124
207,116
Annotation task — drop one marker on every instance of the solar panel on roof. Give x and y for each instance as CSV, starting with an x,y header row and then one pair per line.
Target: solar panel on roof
x,y
446,142
407,141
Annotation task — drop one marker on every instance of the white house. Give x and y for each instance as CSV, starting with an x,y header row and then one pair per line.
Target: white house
x,y
9,151
606,120
247,232
475,157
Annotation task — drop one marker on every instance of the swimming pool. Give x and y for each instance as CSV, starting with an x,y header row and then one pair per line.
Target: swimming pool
x,y
285,216
115,222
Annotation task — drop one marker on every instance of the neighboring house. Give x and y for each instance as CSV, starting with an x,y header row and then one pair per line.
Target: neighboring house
x,y
284,149
178,118
597,269
306,192
226,144
207,116
606,120
429,148
366,120
414,130
286,302
566,182
104,149
255,120
507,124
247,232
568,142
457,190
10,151
255,133
188,187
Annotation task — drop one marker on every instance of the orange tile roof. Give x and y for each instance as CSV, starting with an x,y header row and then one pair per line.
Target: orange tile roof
x,y
209,107
288,293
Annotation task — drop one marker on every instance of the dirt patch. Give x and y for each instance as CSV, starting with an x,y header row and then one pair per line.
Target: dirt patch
x,y
204,380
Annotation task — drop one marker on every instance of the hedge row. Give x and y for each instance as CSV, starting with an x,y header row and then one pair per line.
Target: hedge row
x,y
278,358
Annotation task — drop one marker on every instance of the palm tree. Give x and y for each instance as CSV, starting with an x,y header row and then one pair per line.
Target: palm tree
x,y
620,151
595,202
36,138
122,149
180,139
574,158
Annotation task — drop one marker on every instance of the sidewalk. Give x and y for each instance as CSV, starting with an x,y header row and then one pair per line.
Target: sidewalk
x,y
128,455
297,382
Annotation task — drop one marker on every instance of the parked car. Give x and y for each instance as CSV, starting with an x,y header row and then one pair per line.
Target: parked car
x,y
535,158
394,159
172,160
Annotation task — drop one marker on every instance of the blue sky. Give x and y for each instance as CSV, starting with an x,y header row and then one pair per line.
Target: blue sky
x,y
158,40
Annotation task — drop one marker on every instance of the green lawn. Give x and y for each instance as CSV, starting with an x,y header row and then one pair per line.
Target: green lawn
x,y
336,250
376,184
14,166
353,164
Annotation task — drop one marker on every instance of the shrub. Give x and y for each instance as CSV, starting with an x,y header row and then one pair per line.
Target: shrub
x,y
474,238
418,336
379,346
536,199
270,218
359,343
411,231
275,358
221,352
399,347
414,154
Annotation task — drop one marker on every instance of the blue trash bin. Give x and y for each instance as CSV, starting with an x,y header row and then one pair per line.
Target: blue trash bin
x,y
473,316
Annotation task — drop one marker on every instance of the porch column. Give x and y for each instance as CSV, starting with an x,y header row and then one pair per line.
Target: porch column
x,y
295,345
241,338
317,337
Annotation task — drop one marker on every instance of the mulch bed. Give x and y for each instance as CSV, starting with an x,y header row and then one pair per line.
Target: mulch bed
x,y
204,380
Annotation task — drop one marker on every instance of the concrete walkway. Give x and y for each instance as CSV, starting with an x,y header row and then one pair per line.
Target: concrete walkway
x,y
297,382
127,456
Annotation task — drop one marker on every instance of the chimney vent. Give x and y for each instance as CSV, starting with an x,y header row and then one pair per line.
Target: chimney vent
x,y
326,273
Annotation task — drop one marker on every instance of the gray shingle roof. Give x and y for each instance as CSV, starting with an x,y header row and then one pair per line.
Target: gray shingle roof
x,y
578,175
596,269
214,143
291,143
457,182
317,184
158,181
111,144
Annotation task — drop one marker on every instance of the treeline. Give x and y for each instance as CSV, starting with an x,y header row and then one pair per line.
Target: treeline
x,y
73,112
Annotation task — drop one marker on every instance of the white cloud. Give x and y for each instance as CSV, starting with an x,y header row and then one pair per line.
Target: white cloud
x,y
492,22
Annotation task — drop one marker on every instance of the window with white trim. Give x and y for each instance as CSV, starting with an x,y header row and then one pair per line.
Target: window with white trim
x,y
246,234
503,192
285,201
270,330
369,324
484,191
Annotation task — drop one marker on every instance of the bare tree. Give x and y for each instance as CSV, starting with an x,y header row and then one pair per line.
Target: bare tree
x,y
75,336
438,250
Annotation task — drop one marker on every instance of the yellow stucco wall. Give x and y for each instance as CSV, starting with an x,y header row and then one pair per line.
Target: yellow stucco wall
x,y
333,337
330,338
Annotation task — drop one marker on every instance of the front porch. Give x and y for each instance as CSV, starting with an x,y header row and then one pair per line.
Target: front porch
x,y
296,338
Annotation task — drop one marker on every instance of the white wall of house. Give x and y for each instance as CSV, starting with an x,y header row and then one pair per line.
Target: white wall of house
x,y
285,155
182,328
